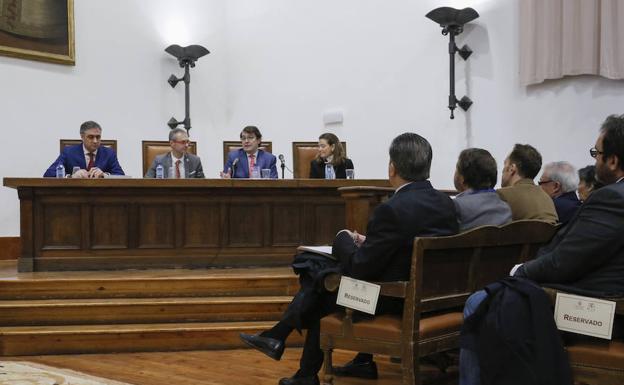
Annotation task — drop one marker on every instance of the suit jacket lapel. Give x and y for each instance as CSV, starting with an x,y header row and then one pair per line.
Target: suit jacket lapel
x,y
81,158
242,164
187,165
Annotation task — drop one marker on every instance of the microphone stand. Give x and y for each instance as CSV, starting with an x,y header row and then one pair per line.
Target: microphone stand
x,y
283,166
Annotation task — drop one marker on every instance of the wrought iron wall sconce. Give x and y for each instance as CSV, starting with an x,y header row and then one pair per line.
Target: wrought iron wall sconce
x,y
187,56
452,22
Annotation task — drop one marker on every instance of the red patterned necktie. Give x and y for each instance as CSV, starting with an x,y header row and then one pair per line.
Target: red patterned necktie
x,y
178,169
252,163
91,158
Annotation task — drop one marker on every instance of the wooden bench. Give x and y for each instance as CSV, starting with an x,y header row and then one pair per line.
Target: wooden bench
x,y
595,361
444,272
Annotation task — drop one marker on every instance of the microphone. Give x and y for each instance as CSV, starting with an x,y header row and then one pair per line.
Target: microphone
x,y
234,164
283,164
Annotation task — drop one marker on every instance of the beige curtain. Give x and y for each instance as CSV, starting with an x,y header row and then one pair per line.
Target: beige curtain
x,y
571,37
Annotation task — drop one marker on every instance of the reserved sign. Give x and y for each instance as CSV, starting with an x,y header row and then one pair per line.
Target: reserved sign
x,y
358,295
584,315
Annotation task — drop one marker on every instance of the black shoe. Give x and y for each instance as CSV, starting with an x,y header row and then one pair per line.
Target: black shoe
x,y
270,346
366,369
294,380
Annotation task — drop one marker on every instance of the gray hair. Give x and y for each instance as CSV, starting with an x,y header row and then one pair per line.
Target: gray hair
x,y
564,173
411,155
89,124
176,131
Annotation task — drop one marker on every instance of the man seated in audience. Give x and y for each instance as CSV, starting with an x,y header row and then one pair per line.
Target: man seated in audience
x,y
177,163
587,256
559,180
587,182
416,209
241,163
477,203
93,160
527,201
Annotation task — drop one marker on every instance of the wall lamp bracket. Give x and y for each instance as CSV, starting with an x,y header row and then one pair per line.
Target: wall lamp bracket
x,y
452,22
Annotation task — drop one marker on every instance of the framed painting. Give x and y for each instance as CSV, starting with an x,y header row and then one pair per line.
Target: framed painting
x,y
38,30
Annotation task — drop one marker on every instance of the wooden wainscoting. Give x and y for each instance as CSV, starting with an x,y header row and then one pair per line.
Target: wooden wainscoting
x,y
9,247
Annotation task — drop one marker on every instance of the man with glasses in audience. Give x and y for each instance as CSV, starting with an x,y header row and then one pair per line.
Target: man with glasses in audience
x,y
177,163
559,180
241,163
587,256
90,159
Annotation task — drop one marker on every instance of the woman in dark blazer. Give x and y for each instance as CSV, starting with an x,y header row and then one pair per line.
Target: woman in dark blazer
x,y
330,151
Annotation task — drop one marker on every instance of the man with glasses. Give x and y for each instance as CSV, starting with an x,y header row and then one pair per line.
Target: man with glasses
x,y
177,163
527,201
90,159
241,163
559,180
587,256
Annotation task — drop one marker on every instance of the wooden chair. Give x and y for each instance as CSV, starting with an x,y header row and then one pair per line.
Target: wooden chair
x,y
444,272
152,148
70,142
303,153
233,145
595,361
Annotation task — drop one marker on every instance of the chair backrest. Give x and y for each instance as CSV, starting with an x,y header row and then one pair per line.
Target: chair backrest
x,y
152,148
303,153
233,145
70,142
446,270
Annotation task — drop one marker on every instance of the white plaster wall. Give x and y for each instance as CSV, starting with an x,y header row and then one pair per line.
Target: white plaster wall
x,y
280,64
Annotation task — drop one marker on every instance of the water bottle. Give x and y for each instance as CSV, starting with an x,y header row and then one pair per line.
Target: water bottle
x,y
329,171
60,171
160,172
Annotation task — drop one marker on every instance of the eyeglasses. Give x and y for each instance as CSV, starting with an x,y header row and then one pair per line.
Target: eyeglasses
x,y
593,152
541,182
184,142
247,138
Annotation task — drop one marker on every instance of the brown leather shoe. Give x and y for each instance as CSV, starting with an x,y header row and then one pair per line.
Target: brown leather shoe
x,y
270,346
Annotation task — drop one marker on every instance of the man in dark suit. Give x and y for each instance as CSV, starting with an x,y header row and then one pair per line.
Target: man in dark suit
x,y
177,163
384,254
559,180
95,161
587,256
240,162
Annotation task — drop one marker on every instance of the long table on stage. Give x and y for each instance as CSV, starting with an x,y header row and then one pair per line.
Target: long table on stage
x,y
81,224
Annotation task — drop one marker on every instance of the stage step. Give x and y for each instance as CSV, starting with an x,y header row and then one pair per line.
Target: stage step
x,y
39,340
151,283
141,310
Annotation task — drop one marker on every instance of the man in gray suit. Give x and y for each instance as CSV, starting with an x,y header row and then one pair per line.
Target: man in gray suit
x,y
177,163
477,203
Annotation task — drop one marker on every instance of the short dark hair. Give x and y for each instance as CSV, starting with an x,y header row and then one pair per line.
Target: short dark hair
x,y
527,159
613,138
587,174
411,155
89,124
478,167
252,130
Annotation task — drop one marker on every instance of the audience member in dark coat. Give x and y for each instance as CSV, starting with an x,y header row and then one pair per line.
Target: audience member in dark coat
x,y
416,209
560,180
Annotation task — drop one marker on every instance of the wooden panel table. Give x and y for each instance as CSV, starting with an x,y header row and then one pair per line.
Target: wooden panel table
x,y
75,224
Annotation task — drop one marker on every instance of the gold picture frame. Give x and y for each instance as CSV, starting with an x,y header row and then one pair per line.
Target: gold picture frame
x,y
38,30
